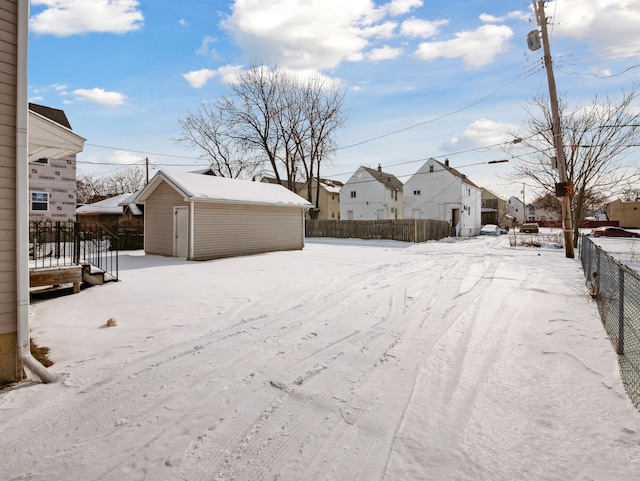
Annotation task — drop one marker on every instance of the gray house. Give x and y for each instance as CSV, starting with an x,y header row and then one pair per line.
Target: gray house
x,y
200,217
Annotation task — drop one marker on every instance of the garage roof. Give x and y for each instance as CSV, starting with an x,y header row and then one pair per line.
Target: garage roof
x,y
209,188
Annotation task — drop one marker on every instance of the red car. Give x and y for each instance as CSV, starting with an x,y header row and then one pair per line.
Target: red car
x,y
610,231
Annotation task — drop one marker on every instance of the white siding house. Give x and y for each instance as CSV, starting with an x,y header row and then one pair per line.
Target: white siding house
x,y
438,191
371,195
515,208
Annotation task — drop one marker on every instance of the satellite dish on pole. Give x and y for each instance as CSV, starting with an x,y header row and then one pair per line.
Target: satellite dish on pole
x,y
533,40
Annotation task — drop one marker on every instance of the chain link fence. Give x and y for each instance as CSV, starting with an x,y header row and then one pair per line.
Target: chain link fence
x,y
612,270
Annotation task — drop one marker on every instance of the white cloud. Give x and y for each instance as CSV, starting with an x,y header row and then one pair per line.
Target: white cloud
x,y
488,18
603,23
57,87
124,157
100,97
477,48
384,53
479,134
199,78
400,7
419,28
313,34
206,47
70,17
183,22
229,73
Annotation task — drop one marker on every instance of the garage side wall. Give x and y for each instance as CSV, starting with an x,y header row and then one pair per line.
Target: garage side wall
x,y
158,219
225,230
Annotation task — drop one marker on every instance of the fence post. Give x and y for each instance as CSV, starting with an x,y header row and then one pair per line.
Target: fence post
x,y
598,271
620,349
57,241
76,243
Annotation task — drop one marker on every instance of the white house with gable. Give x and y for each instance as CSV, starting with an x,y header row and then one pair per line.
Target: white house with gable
x,y
438,191
371,194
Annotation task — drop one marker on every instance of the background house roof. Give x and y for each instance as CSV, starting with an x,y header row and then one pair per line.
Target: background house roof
x,y
221,189
456,173
50,135
57,115
112,205
389,180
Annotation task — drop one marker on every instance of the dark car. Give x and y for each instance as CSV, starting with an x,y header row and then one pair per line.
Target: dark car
x,y
530,228
610,231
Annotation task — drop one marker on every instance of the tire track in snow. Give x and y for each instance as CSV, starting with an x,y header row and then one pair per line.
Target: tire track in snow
x,y
315,405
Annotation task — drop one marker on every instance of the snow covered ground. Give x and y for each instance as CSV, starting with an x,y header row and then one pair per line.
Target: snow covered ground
x,y
348,360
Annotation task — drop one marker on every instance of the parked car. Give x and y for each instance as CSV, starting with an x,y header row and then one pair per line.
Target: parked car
x,y
490,229
530,228
611,231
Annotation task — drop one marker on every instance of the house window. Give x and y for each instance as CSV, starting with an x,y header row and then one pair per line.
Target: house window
x,y
353,194
39,201
431,168
416,192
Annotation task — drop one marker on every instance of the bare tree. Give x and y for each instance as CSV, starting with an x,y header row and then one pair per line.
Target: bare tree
x,y
125,180
272,121
630,194
207,132
92,187
596,140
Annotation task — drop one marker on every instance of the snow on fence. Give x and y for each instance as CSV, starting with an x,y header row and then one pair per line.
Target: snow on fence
x,y
615,286
407,230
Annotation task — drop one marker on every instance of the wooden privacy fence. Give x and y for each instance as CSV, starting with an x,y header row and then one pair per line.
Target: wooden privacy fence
x,y
407,230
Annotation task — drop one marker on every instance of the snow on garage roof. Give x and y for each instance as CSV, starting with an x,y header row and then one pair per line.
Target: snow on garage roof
x,y
209,188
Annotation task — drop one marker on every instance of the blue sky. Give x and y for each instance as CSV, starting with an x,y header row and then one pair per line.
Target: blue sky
x,y
422,78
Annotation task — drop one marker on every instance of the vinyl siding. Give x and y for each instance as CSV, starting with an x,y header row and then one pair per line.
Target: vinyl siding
x,y
158,219
8,93
224,230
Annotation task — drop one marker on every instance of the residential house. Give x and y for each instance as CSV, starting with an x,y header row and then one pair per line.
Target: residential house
x,y
494,208
52,164
328,206
627,213
440,192
371,194
200,217
328,199
14,188
516,211
545,216
113,210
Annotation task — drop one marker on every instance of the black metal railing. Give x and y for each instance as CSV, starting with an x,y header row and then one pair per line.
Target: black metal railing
x,y
98,247
67,243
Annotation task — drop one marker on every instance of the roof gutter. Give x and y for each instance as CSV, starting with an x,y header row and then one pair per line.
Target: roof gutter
x,y
22,203
248,202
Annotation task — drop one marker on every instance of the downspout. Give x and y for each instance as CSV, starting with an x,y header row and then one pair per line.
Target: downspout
x,y
22,201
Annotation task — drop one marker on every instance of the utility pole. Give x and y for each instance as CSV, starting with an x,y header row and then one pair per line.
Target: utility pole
x,y
146,160
564,188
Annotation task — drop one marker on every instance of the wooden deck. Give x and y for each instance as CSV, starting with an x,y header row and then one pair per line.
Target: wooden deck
x,y
56,276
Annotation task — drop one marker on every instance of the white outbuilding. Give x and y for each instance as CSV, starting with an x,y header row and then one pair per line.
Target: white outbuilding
x,y
200,217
